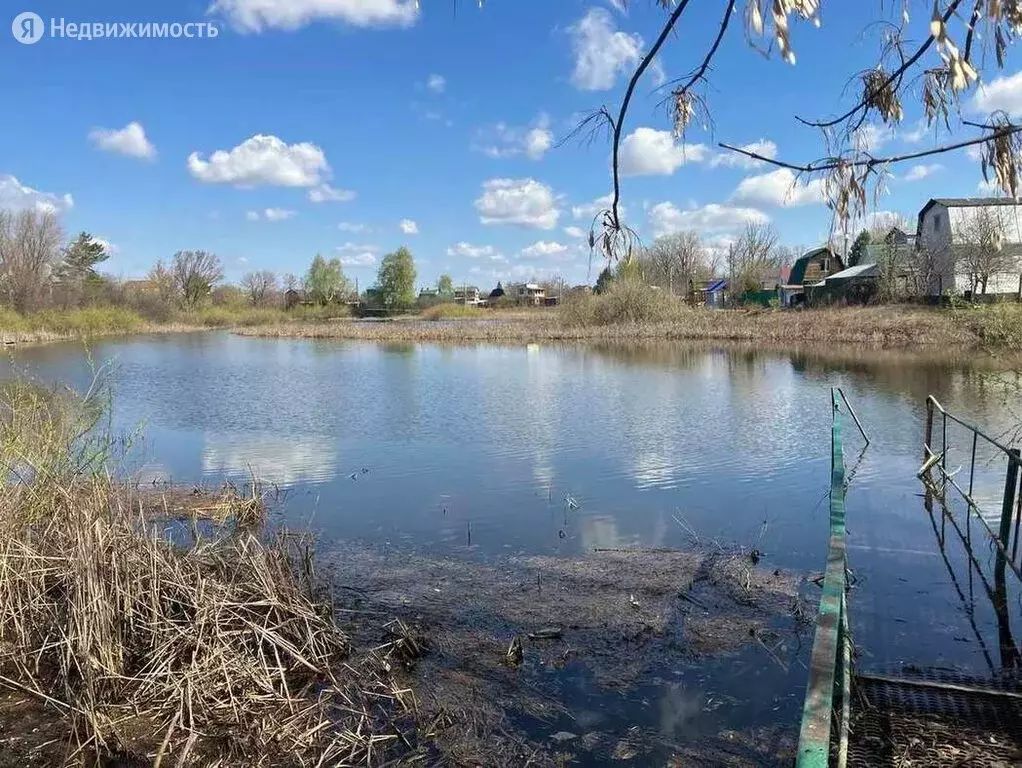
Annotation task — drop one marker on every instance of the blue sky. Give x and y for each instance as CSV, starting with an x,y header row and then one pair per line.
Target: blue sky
x,y
350,127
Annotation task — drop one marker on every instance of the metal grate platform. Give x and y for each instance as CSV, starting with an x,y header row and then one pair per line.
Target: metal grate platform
x,y
935,717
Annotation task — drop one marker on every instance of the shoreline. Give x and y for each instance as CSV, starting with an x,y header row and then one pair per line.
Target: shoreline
x,y
987,331
873,327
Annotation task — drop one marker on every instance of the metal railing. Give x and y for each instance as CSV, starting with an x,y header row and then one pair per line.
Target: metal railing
x,y
1006,537
830,663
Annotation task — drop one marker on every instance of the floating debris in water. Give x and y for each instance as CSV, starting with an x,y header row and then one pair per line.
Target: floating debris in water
x,y
547,633
514,651
570,501
353,476
563,736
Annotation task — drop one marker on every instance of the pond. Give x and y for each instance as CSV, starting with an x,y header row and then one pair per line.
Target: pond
x,y
477,454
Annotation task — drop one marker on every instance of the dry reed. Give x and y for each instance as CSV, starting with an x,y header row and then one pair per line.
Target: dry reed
x,y
881,327
173,647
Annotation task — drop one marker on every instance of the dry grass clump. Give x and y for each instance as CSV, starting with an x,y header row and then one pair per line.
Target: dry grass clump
x,y
625,302
610,318
450,311
161,645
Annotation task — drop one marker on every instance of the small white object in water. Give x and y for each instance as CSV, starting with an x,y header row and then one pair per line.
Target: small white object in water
x,y
633,601
572,504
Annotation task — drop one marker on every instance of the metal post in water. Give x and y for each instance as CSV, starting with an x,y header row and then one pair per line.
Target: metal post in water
x,y
929,430
851,412
1008,503
972,464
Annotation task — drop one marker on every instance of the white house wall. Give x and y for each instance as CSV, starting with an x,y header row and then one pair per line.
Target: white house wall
x,y
937,236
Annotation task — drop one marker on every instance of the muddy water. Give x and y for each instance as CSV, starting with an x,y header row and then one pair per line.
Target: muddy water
x,y
484,454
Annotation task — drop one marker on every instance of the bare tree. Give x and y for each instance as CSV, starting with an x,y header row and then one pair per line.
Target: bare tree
x,y
753,252
979,246
29,250
195,274
290,281
161,282
260,286
942,68
555,286
671,261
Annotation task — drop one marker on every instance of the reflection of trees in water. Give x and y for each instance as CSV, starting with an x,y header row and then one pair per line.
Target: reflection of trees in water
x,y
402,348
662,354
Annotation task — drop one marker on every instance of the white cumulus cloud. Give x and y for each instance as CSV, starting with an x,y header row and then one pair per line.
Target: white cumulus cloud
x,y
666,218
258,15
602,52
16,196
270,214
1001,93
588,211
521,202
437,83
576,232
262,161
129,141
409,227
919,172
870,137
544,249
351,226
503,140
729,159
357,254
649,152
475,251
780,188
324,193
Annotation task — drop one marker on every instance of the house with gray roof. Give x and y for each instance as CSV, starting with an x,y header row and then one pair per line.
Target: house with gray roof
x,y
971,244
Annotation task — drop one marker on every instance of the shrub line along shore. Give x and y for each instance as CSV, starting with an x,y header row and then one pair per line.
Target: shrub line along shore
x,y
596,319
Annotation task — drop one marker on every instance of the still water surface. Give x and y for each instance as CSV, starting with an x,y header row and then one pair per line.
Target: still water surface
x,y
483,451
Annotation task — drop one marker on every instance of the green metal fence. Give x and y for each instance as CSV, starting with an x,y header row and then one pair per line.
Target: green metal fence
x,y
828,690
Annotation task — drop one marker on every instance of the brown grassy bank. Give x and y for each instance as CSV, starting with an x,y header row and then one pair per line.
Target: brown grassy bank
x,y
137,639
96,322
884,327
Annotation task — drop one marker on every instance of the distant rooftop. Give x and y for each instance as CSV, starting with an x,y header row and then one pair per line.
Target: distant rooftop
x,y
974,202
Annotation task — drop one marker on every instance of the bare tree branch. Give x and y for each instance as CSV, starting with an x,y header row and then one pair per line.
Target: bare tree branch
x,y
831,164
698,74
619,123
893,78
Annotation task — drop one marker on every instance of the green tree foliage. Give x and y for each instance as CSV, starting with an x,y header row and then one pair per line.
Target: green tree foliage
x,y
445,285
396,279
858,252
79,259
325,282
604,281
